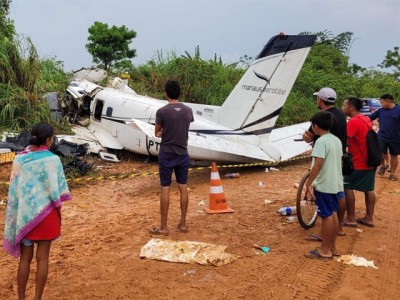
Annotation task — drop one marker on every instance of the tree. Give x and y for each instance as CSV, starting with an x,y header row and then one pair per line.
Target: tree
x,y
392,60
7,29
110,45
342,41
5,5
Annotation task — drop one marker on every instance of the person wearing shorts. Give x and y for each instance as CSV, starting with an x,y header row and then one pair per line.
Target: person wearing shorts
x,y
172,125
325,183
325,99
363,177
388,134
33,218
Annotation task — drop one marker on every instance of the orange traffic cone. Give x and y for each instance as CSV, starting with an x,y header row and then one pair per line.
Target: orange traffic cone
x,y
217,204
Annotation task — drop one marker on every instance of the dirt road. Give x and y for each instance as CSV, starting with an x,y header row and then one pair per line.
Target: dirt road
x,y
108,222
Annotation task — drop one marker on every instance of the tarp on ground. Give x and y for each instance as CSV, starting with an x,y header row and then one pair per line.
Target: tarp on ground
x,y
190,252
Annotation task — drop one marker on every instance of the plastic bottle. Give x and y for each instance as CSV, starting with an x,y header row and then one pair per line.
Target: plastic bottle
x,y
232,175
287,210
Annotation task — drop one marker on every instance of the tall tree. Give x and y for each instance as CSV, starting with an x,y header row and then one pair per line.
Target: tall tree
x,y
110,45
392,60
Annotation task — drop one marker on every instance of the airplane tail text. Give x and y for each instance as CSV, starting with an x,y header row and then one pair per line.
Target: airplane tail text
x,y
256,101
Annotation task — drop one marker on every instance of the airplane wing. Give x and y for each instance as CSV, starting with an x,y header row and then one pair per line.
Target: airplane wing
x,y
203,145
228,147
289,140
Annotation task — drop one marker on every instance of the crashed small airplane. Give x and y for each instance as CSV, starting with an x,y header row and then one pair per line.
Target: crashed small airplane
x,y
241,130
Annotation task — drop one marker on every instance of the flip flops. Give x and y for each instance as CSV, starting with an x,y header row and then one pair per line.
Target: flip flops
x,y
363,222
183,230
314,254
156,231
393,178
382,170
313,237
345,224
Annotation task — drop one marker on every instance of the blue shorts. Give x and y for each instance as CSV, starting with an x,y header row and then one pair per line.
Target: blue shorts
x,y
169,162
27,242
327,203
393,147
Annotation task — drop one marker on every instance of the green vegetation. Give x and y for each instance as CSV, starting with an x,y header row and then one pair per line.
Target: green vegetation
x,y
202,81
392,60
24,78
110,45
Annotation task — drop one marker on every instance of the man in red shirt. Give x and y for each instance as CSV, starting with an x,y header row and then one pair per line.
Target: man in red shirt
x,y
363,177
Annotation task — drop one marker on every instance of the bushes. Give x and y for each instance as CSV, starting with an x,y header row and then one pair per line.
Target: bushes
x,y
23,81
202,81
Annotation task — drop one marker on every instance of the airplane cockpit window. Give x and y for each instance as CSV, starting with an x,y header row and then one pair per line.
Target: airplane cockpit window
x,y
98,110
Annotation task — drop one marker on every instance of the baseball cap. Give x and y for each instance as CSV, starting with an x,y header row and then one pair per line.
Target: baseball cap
x,y
326,94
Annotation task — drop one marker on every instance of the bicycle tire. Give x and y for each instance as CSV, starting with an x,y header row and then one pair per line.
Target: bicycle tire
x,y
306,208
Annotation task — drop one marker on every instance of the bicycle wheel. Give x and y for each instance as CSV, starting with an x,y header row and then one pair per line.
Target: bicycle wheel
x,y
305,206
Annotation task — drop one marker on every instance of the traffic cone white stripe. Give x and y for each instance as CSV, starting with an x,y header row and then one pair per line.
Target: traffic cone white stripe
x,y
215,175
217,203
216,189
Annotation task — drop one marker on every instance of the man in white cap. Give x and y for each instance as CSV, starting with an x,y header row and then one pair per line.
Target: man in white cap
x,y
325,99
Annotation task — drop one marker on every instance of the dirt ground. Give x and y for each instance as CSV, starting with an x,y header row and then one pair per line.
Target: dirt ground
x,y
108,221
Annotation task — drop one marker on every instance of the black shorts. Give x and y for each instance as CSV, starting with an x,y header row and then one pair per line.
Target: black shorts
x,y
169,162
394,147
360,180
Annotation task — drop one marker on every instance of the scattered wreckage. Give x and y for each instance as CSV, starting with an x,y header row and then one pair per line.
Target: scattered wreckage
x,y
72,153
74,106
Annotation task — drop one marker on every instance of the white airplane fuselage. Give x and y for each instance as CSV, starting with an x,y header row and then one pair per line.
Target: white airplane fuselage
x,y
241,130
116,129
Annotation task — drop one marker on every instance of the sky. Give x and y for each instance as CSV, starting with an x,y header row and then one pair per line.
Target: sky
x,y
228,28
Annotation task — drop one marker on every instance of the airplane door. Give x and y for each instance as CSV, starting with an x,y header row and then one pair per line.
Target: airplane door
x,y
98,110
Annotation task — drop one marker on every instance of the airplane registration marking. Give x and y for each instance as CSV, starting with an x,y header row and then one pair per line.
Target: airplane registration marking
x,y
152,143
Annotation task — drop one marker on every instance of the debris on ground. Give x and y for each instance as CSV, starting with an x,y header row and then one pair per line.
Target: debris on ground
x,y
187,252
356,261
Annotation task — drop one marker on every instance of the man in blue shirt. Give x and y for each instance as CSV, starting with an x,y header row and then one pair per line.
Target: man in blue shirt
x,y
389,133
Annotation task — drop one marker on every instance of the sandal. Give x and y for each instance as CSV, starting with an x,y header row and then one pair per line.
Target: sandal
x,y
316,255
313,237
393,178
157,231
382,170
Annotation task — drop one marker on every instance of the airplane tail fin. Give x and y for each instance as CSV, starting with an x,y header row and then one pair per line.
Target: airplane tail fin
x,y
256,101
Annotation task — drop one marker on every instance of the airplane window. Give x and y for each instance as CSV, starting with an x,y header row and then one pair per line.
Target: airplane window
x,y
109,111
98,110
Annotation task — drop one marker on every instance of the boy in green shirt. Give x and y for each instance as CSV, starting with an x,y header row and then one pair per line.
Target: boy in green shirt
x,y
325,183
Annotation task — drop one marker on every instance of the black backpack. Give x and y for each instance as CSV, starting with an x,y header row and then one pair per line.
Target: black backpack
x,y
374,151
